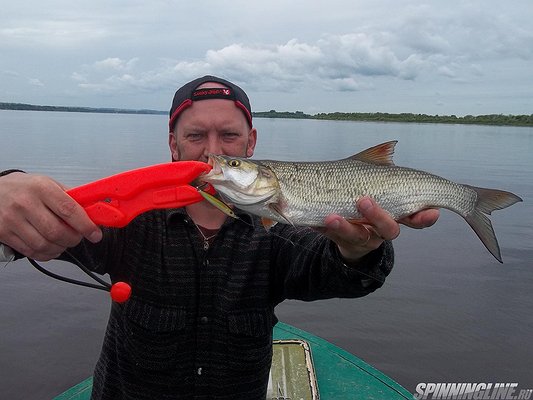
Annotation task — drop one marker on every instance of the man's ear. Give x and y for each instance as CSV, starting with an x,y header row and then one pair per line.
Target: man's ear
x,y
252,141
173,145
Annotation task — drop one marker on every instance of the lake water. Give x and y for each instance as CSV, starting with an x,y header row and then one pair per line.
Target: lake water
x,y
449,312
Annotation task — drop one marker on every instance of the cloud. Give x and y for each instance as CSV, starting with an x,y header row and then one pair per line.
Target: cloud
x,y
115,63
347,85
366,55
17,76
10,73
348,62
35,82
76,76
383,51
330,62
109,75
51,33
471,30
420,43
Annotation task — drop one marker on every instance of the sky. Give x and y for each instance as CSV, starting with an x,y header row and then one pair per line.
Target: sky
x,y
432,57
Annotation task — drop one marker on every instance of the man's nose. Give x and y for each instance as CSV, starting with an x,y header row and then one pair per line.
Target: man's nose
x,y
213,146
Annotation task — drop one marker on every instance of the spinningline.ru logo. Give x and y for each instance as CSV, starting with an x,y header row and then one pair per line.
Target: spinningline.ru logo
x,y
474,391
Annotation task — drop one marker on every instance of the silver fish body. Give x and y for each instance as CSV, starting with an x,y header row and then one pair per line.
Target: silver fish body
x,y
335,187
304,193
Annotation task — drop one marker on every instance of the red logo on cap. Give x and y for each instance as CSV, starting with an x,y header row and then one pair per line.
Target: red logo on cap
x,y
211,92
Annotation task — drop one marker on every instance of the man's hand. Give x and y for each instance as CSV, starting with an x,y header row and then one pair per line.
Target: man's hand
x,y
421,219
38,219
357,240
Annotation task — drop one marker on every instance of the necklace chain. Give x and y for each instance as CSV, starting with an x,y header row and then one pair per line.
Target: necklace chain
x,y
206,238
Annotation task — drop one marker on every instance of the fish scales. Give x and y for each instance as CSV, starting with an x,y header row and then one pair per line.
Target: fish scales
x,y
313,190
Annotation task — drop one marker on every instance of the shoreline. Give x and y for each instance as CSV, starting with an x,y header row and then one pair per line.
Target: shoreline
x,y
488,119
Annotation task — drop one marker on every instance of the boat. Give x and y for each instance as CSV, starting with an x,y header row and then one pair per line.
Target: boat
x,y
305,366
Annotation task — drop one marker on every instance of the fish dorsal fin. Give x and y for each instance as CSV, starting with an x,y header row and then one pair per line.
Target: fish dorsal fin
x,y
380,154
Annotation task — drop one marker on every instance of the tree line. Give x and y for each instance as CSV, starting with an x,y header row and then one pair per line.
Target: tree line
x,y
489,119
32,107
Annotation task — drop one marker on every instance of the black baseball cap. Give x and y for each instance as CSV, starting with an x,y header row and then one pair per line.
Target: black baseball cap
x,y
189,92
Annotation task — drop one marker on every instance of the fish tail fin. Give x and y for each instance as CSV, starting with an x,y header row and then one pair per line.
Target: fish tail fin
x,y
481,224
489,200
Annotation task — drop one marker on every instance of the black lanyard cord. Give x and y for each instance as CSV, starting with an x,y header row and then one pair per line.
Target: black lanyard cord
x,y
103,285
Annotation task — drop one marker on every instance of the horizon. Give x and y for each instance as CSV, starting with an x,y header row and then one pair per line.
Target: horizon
x,y
153,111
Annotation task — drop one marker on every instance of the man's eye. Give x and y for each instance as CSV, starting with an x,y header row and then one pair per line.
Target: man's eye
x,y
194,136
230,135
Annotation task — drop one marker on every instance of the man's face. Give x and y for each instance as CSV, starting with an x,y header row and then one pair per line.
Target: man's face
x,y
212,126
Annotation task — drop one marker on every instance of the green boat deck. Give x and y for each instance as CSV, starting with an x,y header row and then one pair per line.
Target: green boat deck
x,y
301,361
342,375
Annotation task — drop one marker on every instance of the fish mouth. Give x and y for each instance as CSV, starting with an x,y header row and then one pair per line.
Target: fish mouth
x,y
212,176
214,162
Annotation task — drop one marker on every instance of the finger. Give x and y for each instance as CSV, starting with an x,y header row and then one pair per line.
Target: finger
x,y
69,211
34,246
421,219
35,224
381,221
344,232
28,223
19,233
353,240
52,229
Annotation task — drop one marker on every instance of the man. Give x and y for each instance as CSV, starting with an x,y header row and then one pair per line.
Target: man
x,y
199,322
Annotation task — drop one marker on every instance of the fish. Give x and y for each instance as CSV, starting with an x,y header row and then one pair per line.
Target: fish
x,y
304,193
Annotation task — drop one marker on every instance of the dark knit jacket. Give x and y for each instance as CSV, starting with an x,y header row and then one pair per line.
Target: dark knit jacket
x,y
199,323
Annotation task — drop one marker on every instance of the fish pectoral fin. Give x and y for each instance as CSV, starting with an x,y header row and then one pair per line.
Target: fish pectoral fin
x,y
380,154
268,223
275,208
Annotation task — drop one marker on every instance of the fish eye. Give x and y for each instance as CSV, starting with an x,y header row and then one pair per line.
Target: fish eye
x,y
234,163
